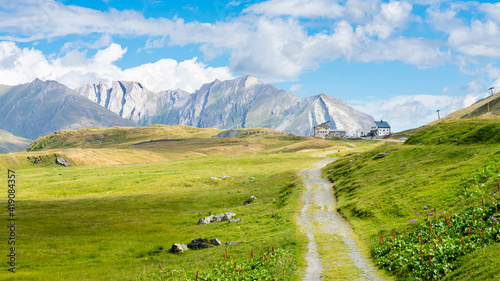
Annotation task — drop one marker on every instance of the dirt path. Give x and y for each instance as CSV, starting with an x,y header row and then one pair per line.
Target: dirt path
x,y
332,252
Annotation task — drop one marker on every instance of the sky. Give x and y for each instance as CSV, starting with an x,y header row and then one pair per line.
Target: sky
x,y
399,61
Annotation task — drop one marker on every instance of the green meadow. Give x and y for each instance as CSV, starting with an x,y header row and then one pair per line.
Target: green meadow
x,y
117,222
130,194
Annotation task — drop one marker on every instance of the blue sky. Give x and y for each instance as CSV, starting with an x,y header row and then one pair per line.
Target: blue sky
x,y
396,60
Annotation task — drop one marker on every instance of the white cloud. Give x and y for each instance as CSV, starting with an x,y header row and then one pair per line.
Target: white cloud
x,y
423,53
74,69
298,8
393,15
272,40
446,90
295,87
406,112
269,46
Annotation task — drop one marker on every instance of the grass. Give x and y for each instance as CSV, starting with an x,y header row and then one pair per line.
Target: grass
x,y
480,265
95,221
71,229
379,195
460,132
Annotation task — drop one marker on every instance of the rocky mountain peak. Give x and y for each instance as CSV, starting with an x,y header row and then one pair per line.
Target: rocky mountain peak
x,y
241,102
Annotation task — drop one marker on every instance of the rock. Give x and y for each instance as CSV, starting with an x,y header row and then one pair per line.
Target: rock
x,y
223,217
251,199
205,220
236,220
232,242
215,242
213,178
227,134
220,217
199,243
178,248
455,140
61,161
384,154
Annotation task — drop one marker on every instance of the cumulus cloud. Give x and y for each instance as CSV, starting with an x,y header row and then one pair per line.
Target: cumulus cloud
x,y
298,8
269,39
74,69
406,112
274,39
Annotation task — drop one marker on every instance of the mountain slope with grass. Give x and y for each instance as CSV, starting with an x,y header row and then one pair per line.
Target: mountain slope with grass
x,y
39,108
477,109
11,143
392,193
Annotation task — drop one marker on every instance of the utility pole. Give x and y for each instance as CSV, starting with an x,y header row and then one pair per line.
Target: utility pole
x,y
491,92
438,114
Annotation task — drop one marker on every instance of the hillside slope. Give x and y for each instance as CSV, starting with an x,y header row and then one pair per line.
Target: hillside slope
x,y
11,143
244,102
396,188
39,108
475,110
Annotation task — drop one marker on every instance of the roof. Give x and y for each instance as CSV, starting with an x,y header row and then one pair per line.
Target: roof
x,y
325,124
382,124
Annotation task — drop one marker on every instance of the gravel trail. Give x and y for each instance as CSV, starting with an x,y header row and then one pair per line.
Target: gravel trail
x,y
319,216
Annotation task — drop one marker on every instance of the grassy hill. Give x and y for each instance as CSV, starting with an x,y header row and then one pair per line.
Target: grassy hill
x,y
479,108
112,214
11,143
388,196
157,143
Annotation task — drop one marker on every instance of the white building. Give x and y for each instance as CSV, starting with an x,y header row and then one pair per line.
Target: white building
x,y
381,128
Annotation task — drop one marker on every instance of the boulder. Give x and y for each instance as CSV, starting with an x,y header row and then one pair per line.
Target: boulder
x,y
223,217
178,248
205,220
251,199
232,242
220,217
199,243
61,161
382,155
215,242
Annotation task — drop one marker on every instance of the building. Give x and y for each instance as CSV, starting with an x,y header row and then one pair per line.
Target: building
x,y
322,130
337,133
381,128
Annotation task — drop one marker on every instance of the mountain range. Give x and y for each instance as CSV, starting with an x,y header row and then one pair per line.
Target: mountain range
x,y
243,102
40,108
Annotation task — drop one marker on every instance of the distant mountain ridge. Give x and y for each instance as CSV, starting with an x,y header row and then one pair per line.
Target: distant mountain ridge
x,y
239,103
40,108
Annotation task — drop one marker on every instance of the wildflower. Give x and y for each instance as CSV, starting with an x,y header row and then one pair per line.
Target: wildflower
x,y
440,212
430,214
412,220
425,207
417,214
432,209
493,219
450,209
